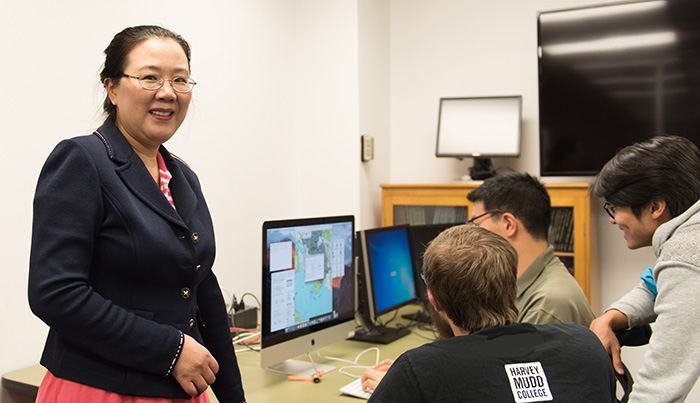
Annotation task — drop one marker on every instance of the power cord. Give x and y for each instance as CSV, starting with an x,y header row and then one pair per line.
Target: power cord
x,y
241,316
246,338
355,364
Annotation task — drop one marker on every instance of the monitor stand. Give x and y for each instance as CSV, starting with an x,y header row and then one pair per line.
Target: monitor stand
x,y
418,316
482,169
380,334
297,367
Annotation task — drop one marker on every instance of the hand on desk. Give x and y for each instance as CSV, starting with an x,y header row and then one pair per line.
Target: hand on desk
x,y
372,376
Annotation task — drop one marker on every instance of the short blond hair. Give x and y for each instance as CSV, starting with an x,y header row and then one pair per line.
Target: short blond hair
x,y
472,274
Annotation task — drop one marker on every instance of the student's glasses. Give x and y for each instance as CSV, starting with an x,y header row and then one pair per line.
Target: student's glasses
x,y
610,209
473,220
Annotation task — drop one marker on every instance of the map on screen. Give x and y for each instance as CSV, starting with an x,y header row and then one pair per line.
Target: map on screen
x,y
306,265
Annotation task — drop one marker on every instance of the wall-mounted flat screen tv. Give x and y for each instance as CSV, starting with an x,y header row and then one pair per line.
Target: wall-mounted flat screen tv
x,y
613,75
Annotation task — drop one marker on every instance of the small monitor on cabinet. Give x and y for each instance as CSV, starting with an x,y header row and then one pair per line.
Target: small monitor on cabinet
x,y
481,128
308,288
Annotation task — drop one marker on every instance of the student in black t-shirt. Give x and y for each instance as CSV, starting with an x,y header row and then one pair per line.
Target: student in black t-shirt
x,y
484,356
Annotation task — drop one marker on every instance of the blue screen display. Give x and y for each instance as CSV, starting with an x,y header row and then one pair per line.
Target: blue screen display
x,y
391,267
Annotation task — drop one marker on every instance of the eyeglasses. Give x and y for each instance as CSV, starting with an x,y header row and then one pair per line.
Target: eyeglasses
x,y
154,82
610,209
473,220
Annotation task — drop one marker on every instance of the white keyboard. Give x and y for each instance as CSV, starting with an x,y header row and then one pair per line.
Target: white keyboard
x,y
354,388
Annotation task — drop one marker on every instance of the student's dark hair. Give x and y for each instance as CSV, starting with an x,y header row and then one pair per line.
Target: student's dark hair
x,y
472,273
116,55
520,194
661,168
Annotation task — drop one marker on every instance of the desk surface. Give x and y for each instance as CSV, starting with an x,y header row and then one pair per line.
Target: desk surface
x,y
264,386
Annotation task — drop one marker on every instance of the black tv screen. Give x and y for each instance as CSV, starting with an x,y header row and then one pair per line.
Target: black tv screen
x,y
613,75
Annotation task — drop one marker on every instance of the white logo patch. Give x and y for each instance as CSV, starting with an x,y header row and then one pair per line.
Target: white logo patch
x,y
528,382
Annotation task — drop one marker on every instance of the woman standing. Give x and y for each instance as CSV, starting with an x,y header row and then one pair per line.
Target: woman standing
x,y
123,246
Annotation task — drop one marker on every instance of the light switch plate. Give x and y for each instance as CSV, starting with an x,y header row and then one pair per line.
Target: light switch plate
x,y
367,147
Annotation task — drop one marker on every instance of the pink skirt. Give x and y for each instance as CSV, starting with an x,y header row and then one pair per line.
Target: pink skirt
x,y
58,390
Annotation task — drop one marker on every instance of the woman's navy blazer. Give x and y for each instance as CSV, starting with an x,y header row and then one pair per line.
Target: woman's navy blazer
x,y
119,275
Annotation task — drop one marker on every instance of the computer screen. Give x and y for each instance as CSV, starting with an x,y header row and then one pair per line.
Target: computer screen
x,y
614,74
387,281
479,127
419,237
308,282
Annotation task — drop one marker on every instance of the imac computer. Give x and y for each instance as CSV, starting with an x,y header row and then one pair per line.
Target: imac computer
x,y
479,127
386,283
308,289
419,237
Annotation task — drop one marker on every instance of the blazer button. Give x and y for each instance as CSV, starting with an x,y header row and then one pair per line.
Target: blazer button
x,y
199,266
185,293
191,323
195,238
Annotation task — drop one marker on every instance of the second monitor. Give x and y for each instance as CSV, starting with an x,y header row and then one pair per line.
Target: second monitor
x,y
386,281
420,236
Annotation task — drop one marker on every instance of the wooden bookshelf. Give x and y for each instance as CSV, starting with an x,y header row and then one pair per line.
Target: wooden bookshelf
x,y
418,204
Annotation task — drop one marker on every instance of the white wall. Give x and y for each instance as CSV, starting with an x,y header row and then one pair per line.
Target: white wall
x,y
453,48
374,105
327,107
272,132
474,48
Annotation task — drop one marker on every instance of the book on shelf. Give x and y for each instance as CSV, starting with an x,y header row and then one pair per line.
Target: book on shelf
x,y
415,215
561,230
423,215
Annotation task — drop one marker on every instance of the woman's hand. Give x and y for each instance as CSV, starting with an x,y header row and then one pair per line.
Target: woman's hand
x,y
604,327
372,376
196,368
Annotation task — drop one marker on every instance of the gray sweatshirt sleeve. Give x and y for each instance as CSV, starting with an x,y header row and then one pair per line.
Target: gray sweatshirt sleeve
x,y
637,305
670,367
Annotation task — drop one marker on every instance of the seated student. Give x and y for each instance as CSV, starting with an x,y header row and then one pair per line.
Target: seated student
x,y
484,356
517,207
652,192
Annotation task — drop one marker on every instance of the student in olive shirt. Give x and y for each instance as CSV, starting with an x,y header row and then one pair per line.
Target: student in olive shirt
x,y
517,207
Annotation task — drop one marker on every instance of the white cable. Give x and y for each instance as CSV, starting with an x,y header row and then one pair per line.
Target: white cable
x,y
242,338
355,363
245,337
247,349
227,298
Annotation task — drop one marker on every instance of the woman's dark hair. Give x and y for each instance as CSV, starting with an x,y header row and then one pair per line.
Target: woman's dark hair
x,y
520,194
661,168
116,55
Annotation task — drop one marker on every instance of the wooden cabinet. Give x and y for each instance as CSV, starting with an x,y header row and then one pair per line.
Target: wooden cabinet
x,y
571,202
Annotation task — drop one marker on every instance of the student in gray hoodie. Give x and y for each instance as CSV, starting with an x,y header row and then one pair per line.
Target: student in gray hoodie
x,y
651,191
